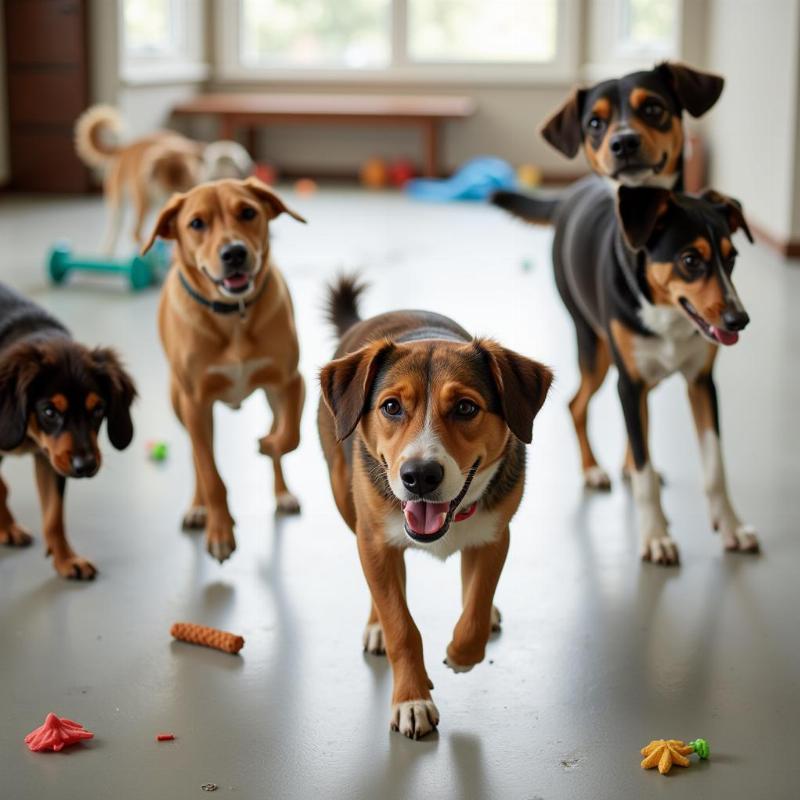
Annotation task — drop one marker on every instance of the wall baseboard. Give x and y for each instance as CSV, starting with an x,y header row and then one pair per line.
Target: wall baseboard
x,y
788,248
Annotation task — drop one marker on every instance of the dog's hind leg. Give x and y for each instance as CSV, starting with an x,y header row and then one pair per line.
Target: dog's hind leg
x,y
735,534
115,206
11,533
594,359
480,572
286,404
51,487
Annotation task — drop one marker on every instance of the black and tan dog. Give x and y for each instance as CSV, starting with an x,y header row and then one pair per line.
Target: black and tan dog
x,y
423,429
54,395
630,128
654,295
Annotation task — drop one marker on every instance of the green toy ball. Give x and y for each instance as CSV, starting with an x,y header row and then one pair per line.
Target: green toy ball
x,y
157,451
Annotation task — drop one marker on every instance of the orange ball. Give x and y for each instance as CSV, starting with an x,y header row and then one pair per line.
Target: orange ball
x,y
305,186
374,173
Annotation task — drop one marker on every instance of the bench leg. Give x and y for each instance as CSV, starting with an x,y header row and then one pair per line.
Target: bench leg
x,y
430,138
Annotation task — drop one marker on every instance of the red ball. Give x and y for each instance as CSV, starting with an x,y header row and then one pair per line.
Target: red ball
x,y
401,171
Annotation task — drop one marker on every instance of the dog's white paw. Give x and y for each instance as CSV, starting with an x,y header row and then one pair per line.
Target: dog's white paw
x,y
195,518
497,620
660,550
372,639
414,718
287,503
739,537
597,478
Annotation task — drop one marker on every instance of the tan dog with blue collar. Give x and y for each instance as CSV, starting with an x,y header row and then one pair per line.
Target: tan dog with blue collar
x,y
227,327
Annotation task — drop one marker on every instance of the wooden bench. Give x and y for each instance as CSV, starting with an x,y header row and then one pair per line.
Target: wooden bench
x,y
249,112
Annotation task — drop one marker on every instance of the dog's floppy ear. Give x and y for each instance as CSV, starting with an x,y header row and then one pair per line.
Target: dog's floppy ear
x,y
522,385
563,128
165,224
346,384
119,392
731,208
19,368
696,91
639,210
270,198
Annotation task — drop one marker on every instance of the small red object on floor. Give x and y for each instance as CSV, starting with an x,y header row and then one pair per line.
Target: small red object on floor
x,y
56,734
165,737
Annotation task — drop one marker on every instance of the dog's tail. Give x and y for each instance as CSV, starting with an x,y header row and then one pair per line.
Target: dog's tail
x,y
342,304
530,208
95,133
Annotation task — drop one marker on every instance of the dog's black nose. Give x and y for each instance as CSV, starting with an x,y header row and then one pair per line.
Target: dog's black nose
x,y
735,319
625,144
233,256
421,477
83,464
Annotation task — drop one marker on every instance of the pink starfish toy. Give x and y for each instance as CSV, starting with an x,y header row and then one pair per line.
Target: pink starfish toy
x,y
56,733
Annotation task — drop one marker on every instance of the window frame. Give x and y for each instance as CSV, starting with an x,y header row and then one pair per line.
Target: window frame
x,y
624,48
562,69
185,63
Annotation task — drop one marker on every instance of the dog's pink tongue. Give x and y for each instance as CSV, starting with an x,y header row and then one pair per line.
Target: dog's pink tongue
x,y
425,518
724,337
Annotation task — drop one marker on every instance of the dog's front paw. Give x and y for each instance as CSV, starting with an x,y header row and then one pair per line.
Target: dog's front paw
x,y
661,550
739,538
497,620
195,518
449,661
372,639
220,543
596,478
75,568
287,503
15,536
414,718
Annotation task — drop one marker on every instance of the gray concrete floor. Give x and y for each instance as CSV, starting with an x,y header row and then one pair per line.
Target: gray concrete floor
x,y
598,655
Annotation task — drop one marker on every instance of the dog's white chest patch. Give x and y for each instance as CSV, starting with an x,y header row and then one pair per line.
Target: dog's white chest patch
x,y
481,528
239,374
676,347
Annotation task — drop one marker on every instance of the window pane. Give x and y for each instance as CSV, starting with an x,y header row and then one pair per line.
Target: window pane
x,y
482,31
649,24
149,26
311,33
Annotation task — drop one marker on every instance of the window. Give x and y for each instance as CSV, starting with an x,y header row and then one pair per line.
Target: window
x,y
402,39
648,27
482,32
149,27
307,33
162,41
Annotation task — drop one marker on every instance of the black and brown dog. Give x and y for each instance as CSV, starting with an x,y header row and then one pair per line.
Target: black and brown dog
x,y
54,395
649,288
630,128
424,431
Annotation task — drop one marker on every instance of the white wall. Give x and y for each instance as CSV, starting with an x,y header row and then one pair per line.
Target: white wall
x,y
4,168
753,131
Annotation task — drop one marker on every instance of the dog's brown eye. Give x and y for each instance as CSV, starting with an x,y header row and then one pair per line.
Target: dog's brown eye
x,y
50,413
652,109
99,409
392,407
692,262
247,213
197,224
466,409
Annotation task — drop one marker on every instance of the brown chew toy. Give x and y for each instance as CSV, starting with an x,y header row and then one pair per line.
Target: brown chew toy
x,y
208,637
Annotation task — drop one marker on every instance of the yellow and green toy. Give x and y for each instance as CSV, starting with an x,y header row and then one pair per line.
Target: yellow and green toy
x,y
663,753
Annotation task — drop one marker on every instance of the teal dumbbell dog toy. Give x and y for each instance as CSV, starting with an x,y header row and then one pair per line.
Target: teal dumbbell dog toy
x,y
141,271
